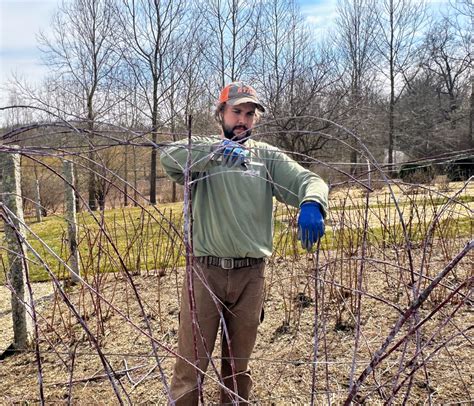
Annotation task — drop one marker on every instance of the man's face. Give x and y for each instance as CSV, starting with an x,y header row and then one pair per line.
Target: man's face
x,y
238,121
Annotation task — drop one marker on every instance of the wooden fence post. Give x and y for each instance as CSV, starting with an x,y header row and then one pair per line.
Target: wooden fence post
x,y
11,199
70,199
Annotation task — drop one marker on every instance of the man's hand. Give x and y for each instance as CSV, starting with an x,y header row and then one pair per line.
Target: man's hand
x,y
233,154
310,224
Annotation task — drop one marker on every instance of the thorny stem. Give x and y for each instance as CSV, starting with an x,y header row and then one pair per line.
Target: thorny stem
x,y
316,320
188,243
359,285
72,354
59,288
108,368
130,279
379,355
427,342
434,352
33,316
408,245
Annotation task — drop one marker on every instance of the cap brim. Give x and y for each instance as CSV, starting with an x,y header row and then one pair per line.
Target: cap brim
x,y
242,100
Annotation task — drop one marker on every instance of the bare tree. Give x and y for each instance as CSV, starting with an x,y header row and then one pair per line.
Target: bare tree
x,y
186,90
463,7
16,117
232,28
434,111
400,22
294,77
422,116
81,50
356,34
449,60
150,32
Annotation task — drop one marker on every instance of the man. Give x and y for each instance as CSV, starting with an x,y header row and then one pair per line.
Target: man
x,y
234,181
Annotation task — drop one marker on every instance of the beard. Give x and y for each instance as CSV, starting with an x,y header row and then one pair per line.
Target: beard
x,y
230,135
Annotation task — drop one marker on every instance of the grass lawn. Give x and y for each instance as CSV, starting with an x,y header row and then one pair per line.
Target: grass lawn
x,y
143,239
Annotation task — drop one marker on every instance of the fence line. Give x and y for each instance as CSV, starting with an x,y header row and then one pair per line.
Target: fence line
x,y
398,255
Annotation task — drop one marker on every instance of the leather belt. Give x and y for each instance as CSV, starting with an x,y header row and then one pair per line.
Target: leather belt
x,y
229,263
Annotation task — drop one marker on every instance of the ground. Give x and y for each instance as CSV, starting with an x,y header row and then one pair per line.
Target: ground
x,y
282,361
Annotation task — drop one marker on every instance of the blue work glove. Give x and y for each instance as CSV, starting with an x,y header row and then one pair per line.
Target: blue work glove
x,y
310,224
233,155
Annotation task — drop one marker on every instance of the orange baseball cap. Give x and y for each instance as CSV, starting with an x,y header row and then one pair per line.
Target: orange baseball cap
x,y
238,93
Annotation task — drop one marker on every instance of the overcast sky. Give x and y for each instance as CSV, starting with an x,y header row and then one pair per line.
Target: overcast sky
x,y
21,20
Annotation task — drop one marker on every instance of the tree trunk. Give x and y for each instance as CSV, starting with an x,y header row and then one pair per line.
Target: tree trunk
x,y
125,178
91,182
469,137
92,187
14,235
153,170
154,138
135,177
391,135
72,234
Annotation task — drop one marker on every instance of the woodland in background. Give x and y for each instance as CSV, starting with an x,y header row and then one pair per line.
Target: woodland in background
x,y
395,76
380,313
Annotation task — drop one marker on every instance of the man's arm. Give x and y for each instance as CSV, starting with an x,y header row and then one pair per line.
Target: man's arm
x,y
174,157
294,184
205,152
298,186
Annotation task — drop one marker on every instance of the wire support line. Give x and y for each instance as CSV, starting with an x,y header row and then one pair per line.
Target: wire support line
x,y
296,362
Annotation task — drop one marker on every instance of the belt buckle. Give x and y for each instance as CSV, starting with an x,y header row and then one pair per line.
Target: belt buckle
x,y
225,261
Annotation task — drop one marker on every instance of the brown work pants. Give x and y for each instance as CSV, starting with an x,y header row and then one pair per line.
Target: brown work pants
x,y
236,302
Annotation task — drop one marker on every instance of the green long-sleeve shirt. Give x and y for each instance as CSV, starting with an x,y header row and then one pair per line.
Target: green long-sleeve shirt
x,y
232,208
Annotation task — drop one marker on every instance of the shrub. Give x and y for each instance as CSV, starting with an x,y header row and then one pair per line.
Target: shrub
x,y
416,172
460,169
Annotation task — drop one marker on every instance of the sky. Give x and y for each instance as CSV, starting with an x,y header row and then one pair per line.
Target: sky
x,y
22,20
